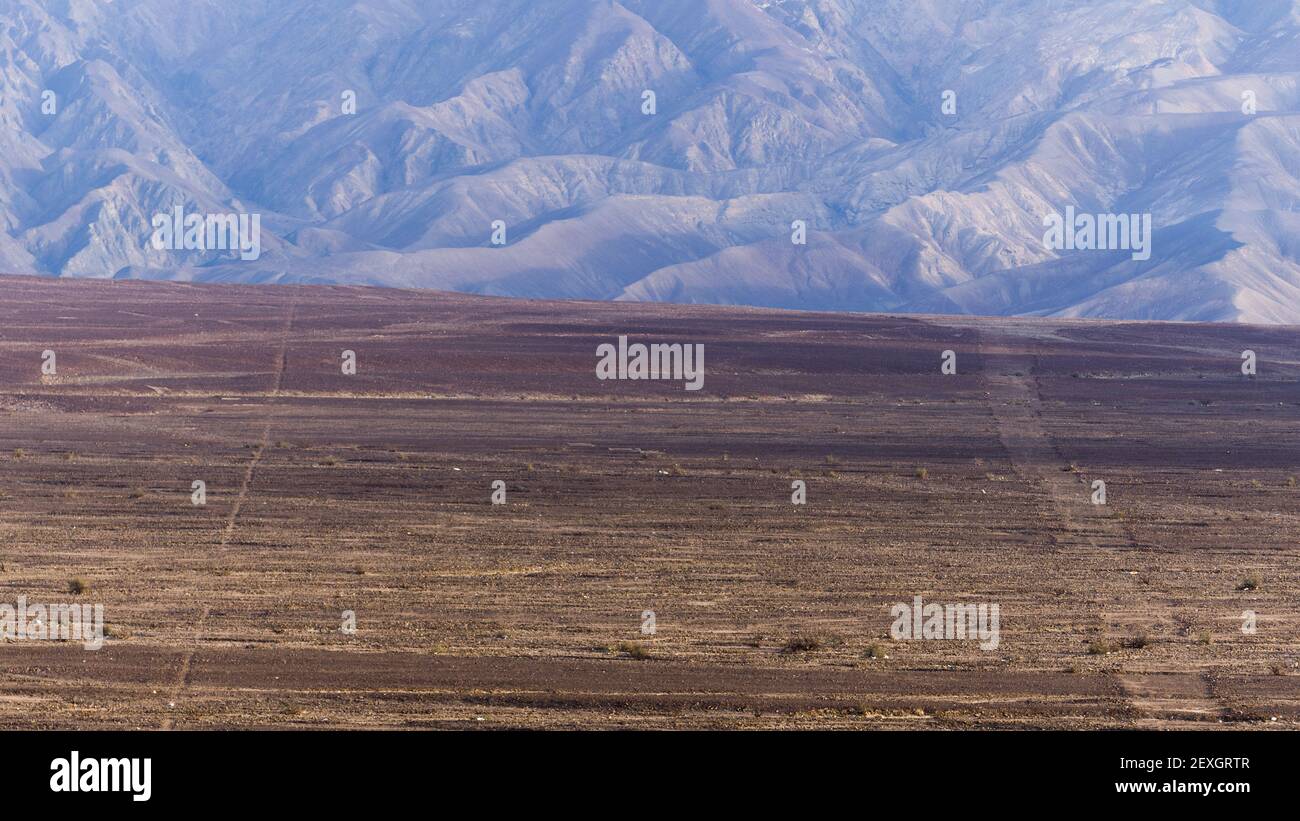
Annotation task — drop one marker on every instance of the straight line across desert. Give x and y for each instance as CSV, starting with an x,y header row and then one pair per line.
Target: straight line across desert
x,y
368,508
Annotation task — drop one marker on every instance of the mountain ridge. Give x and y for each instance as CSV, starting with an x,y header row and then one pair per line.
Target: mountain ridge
x,y
531,117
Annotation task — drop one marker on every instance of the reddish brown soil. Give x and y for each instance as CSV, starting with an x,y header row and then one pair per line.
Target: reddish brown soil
x,y
370,493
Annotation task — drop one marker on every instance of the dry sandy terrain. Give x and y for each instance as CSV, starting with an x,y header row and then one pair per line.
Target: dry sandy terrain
x,y
370,493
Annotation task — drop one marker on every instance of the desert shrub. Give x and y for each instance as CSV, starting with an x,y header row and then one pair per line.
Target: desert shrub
x,y
1101,647
633,649
801,644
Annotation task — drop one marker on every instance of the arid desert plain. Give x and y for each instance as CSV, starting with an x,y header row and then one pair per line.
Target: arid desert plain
x,y
365,499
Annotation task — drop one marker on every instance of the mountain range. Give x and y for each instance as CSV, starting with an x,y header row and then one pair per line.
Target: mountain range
x,y
670,150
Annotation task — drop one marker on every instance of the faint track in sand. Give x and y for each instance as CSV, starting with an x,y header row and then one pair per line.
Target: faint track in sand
x,y
1155,695
232,518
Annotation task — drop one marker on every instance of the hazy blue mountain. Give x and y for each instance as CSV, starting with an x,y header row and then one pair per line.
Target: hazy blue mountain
x,y
530,112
